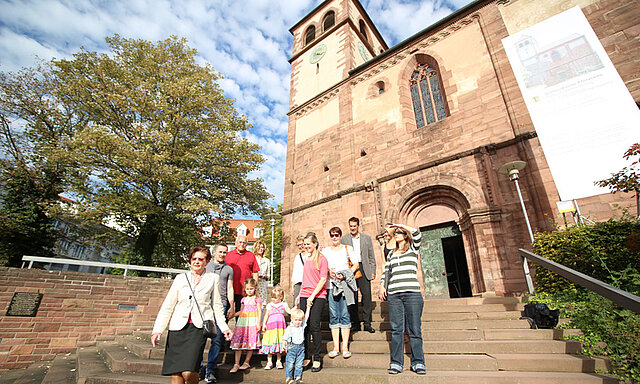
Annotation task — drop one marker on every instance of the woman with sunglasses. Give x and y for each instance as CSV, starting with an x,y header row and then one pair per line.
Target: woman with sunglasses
x,y
340,291
404,298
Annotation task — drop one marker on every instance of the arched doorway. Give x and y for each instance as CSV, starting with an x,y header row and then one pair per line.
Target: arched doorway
x,y
436,211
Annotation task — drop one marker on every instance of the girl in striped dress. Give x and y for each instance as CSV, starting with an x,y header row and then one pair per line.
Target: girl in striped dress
x,y
400,285
274,326
246,335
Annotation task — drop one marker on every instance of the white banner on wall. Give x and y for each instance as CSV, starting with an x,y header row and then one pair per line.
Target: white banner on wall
x,y
582,111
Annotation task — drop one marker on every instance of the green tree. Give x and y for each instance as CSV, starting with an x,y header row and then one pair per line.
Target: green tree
x,y
35,165
276,258
155,146
628,178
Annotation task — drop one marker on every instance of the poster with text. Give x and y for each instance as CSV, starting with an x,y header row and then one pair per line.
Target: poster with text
x,y
583,113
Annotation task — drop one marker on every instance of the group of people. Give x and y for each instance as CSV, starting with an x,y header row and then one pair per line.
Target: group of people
x,y
333,274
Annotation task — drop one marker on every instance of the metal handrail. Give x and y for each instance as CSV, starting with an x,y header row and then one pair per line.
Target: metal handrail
x,y
618,296
126,267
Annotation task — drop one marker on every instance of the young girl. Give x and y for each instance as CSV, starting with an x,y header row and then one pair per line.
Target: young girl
x,y
246,335
274,326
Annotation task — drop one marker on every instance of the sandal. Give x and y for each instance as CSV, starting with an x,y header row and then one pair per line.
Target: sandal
x,y
268,366
279,365
333,354
235,368
346,354
244,367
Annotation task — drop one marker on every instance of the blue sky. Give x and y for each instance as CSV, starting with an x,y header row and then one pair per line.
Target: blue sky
x,y
247,41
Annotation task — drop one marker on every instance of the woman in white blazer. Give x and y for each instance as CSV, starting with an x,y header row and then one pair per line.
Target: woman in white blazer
x,y
185,340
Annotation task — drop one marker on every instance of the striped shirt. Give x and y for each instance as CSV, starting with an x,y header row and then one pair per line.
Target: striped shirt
x,y
402,269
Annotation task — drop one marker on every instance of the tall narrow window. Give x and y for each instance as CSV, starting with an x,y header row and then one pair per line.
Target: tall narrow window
x,y
310,34
427,97
329,20
363,30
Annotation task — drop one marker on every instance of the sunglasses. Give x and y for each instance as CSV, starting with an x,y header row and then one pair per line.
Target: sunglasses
x,y
401,233
334,235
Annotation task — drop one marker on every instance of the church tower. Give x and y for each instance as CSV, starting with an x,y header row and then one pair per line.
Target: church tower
x,y
336,37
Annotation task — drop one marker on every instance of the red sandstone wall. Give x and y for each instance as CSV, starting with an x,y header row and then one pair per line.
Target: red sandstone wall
x,y
77,309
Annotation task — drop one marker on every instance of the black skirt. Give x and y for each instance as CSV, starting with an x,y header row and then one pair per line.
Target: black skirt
x,y
184,350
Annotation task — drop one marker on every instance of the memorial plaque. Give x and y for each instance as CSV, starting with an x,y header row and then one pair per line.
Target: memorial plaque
x,y
24,304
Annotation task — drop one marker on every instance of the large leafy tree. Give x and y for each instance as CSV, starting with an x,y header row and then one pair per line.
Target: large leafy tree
x,y
159,151
35,165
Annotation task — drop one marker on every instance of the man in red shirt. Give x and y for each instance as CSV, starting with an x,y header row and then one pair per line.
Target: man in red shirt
x,y
244,266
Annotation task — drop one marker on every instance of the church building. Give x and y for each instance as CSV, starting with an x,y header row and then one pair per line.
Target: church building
x,y
416,134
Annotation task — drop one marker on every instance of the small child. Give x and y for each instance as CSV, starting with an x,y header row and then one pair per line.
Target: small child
x,y
294,338
246,335
274,325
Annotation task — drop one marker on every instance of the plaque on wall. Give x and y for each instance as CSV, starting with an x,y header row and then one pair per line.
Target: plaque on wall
x,y
24,304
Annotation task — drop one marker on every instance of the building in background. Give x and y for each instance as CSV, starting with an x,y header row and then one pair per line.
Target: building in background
x,y
229,229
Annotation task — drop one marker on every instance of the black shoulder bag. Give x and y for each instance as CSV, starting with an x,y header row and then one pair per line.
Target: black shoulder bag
x,y
208,327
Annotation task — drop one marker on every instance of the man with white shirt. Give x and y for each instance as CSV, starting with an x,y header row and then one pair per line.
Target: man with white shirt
x,y
366,260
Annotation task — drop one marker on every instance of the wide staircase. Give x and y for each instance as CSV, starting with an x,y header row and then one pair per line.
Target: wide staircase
x,y
467,340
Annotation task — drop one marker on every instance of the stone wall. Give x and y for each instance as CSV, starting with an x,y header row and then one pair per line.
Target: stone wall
x,y
77,309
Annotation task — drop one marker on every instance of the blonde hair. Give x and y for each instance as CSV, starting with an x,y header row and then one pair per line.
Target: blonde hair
x,y
277,292
297,313
257,245
315,255
252,282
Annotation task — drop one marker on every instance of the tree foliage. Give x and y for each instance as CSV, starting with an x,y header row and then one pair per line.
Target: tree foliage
x,y
154,145
35,165
628,178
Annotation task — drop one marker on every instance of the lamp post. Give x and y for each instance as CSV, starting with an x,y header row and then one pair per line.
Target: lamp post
x,y
513,169
272,220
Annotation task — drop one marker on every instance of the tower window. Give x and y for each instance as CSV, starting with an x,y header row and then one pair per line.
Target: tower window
x,y
363,30
310,34
329,20
427,97
380,85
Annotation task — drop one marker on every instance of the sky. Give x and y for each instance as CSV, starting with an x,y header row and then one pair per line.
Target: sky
x,y
247,41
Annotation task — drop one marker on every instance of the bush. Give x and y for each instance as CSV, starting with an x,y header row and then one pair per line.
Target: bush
x,y
609,252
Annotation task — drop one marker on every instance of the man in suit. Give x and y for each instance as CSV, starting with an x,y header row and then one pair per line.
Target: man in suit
x,y
364,256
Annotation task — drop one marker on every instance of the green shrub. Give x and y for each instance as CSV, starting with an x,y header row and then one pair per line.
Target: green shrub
x,y
609,252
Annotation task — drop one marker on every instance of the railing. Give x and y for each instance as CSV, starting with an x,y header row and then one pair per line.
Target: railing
x,y
126,267
618,296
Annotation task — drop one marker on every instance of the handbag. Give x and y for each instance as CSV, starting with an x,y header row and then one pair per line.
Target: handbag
x,y
357,274
208,328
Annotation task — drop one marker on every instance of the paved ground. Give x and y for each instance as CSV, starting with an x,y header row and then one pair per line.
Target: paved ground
x,y
34,374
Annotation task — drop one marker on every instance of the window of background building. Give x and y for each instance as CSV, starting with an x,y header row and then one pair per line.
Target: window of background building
x,y
363,30
427,97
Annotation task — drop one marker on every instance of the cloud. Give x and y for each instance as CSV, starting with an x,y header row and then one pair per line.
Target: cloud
x,y
248,42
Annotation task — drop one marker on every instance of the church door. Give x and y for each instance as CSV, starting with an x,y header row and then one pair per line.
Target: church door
x,y
435,270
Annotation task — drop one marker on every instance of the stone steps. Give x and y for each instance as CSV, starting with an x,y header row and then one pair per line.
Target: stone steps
x,y
472,340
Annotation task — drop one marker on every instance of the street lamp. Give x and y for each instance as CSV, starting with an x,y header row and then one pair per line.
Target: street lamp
x,y
513,169
272,220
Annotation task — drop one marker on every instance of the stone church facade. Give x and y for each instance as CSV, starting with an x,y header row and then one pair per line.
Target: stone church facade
x,y
415,134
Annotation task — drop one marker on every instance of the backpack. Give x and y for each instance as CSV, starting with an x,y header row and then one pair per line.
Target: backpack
x,y
540,316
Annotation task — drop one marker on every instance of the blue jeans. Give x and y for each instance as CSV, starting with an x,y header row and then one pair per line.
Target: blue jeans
x,y
216,345
295,356
406,308
338,313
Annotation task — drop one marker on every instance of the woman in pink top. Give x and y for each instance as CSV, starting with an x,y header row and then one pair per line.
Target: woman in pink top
x,y
314,291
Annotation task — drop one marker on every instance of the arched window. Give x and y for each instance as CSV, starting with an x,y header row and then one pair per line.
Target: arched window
x,y
427,97
310,34
363,30
329,20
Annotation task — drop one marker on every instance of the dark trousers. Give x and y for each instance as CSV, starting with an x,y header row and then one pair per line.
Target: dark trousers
x,y
216,345
364,286
312,330
405,313
237,298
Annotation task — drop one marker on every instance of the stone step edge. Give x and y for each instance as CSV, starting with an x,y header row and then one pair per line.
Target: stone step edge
x,y
63,369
